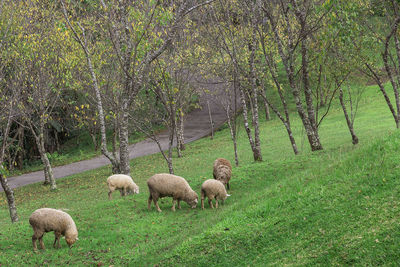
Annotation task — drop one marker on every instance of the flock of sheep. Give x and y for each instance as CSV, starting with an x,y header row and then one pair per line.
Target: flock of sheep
x,y
160,185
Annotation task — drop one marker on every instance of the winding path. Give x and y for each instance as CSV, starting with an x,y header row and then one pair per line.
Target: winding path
x,y
196,125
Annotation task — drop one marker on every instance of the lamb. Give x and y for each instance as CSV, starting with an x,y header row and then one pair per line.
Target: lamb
x,y
222,171
123,183
213,189
169,185
46,220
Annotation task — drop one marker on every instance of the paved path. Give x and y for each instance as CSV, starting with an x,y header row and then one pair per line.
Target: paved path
x,y
196,126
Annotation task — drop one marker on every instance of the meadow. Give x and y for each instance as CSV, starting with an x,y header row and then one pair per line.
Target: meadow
x,y
339,206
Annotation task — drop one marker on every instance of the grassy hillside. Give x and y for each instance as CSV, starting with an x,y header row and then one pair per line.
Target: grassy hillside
x,y
337,206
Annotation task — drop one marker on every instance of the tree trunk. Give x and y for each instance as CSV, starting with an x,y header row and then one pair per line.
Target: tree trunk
x,y
384,93
4,184
257,143
45,160
180,132
10,198
211,120
354,137
124,140
232,128
171,141
266,106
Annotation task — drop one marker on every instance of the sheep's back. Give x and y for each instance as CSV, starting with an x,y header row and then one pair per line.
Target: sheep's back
x,y
213,187
119,180
48,220
167,184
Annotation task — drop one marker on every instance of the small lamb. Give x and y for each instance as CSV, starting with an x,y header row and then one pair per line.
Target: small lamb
x,y
169,185
222,171
47,220
213,189
123,183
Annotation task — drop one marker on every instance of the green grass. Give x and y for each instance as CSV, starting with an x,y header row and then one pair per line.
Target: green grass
x,y
339,206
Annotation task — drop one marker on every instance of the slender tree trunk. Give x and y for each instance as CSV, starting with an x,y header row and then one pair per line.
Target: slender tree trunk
x,y
4,184
257,142
232,129
178,149
45,160
124,140
211,120
384,93
266,106
94,140
246,121
169,161
10,199
354,137
181,137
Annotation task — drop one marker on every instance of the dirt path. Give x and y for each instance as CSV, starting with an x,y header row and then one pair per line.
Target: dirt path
x,y
196,126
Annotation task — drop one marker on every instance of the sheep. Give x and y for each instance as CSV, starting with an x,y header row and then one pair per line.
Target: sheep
x,y
46,220
123,183
169,185
222,171
213,189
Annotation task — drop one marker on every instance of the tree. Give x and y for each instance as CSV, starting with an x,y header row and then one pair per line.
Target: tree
x,y
8,98
298,22
385,33
230,35
40,73
139,33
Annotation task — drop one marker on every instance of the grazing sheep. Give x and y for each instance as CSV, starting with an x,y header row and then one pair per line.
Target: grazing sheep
x,y
169,185
123,183
213,189
47,220
222,171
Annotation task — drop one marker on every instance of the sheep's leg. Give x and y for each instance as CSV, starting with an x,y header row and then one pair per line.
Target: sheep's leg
x,y
41,242
179,204
121,192
173,204
109,195
202,199
57,239
149,202
210,203
155,203
37,235
216,203
34,242
124,191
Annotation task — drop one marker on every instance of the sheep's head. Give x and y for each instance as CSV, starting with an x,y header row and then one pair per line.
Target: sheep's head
x,y
134,189
193,200
71,238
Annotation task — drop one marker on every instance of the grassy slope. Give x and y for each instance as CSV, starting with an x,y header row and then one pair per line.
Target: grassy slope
x,y
338,206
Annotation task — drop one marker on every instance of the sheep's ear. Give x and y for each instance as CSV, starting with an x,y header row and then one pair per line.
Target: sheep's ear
x,y
228,195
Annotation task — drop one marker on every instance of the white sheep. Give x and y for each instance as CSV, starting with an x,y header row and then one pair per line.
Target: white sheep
x,y
123,183
213,189
46,220
222,171
169,185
